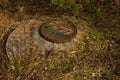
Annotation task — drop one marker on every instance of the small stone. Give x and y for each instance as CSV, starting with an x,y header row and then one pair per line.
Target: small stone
x,y
46,68
112,41
74,68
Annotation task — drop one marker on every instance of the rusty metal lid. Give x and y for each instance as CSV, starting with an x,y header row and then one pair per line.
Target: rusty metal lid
x,y
56,33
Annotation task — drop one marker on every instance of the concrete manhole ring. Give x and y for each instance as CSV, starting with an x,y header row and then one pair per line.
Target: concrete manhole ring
x,y
33,32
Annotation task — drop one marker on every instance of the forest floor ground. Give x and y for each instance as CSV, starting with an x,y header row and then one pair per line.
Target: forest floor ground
x,y
108,24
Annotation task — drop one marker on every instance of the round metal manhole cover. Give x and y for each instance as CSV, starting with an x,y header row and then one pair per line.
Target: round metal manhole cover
x,y
56,33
